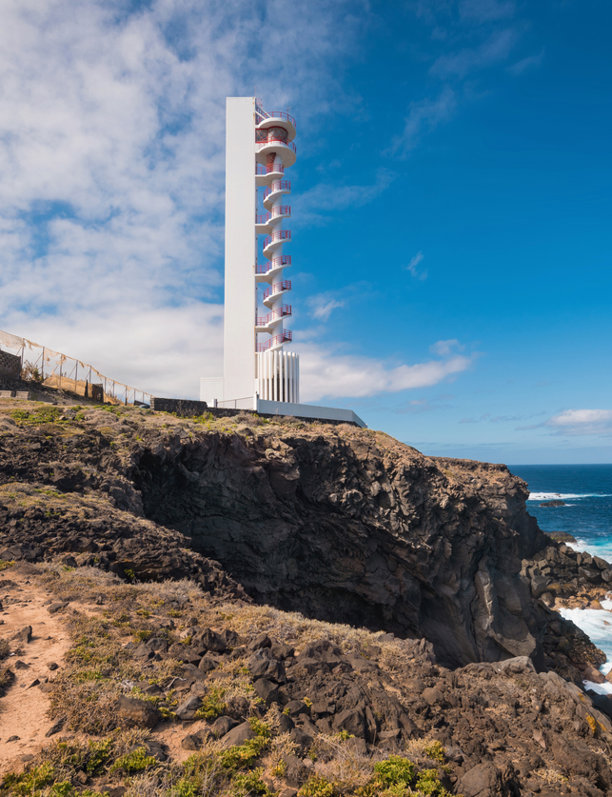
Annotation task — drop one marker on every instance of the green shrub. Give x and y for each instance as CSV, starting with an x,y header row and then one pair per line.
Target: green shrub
x,y
29,783
199,772
135,761
98,755
250,784
428,783
213,705
242,756
316,786
395,771
46,414
260,728
435,751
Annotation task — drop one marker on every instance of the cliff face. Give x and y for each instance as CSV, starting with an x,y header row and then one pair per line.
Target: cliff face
x,y
340,523
349,525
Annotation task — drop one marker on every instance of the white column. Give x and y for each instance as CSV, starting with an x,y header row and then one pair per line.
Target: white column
x,y
240,249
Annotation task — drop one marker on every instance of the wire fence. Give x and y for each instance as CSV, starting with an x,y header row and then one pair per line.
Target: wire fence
x,y
62,372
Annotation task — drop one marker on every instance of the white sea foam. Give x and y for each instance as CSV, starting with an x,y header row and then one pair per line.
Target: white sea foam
x,y
564,496
597,625
601,689
602,549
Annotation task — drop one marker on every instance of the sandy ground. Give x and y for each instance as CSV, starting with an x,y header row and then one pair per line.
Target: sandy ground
x,y
24,708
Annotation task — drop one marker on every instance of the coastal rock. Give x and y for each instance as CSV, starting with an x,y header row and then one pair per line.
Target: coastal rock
x,y
339,523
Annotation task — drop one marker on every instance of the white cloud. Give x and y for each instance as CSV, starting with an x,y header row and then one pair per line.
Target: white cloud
x,y
322,306
494,49
588,422
412,267
424,116
444,348
525,64
163,350
111,154
317,204
329,374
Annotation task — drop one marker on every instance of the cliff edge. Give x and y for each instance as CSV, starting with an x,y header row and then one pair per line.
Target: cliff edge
x,y
342,524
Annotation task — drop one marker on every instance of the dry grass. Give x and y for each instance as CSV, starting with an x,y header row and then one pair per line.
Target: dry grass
x,y
103,615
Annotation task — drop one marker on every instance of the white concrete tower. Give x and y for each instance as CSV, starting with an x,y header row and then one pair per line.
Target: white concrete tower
x,y
259,147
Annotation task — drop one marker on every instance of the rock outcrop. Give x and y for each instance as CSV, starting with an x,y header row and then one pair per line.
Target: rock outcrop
x,y
342,524
437,556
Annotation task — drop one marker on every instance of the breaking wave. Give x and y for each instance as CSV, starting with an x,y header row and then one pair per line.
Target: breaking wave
x,y
564,496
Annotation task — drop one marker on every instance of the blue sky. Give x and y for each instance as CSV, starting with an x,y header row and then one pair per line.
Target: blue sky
x,y
451,203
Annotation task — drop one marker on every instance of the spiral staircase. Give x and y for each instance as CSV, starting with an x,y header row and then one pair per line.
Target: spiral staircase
x,y
277,370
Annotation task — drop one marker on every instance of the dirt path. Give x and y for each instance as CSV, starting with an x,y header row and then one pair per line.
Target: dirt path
x,y
24,707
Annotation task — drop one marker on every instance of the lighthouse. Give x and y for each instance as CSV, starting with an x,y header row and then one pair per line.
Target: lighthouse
x,y
260,372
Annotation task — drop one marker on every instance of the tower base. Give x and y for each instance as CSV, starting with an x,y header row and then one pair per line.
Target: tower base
x,y
278,376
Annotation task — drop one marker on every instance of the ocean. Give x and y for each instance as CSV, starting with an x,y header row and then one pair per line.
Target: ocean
x,y
586,513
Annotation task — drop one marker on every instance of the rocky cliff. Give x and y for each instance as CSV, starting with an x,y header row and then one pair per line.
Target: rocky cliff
x,y
438,558
340,523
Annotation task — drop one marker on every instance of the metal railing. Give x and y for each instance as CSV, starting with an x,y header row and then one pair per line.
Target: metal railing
x,y
277,287
276,213
277,185
280,210
276,141
279,235
276,262
280,312
56,370
274,115
277,340
268,168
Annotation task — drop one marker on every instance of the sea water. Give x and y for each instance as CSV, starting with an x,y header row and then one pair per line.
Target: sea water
x,y
586,513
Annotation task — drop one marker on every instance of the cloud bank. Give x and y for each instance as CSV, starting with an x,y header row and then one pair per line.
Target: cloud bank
x,y
582,422
334,375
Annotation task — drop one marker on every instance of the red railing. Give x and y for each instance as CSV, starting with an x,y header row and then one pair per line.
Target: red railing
x,y
269,167
278,287
267,141
279,235
279,312
285,335
277,185
274,115
276,262
280,210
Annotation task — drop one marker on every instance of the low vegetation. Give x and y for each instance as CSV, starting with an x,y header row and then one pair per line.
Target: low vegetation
x,y
108,620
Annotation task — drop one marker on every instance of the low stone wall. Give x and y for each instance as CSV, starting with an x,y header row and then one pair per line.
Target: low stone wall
x,y
186,408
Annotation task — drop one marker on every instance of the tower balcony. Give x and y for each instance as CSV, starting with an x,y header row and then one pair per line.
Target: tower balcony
x,y
266,272
264,222
276,342
275,145
274,190
273,241
267,323
267,119
266,173
275,290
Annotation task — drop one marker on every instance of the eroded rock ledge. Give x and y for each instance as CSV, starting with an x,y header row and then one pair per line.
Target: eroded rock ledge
x,y
342,524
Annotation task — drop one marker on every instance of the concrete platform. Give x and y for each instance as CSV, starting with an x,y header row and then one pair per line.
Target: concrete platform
x,y
311,411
